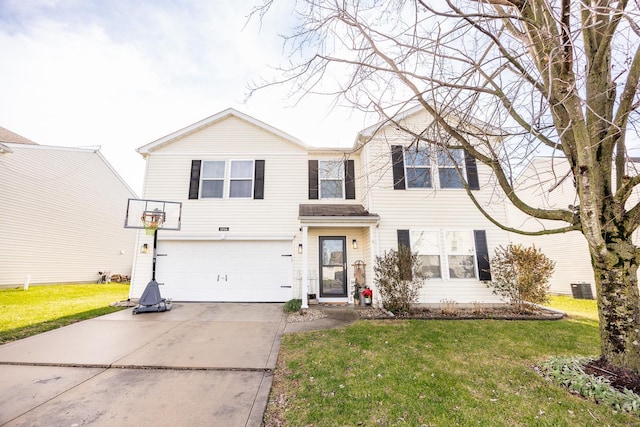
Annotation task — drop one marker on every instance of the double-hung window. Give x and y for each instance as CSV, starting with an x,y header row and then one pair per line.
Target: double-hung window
x,y
241,179
460,254
445,254
447,174
427,245
212,176
429,166
236,181
417,163
331,176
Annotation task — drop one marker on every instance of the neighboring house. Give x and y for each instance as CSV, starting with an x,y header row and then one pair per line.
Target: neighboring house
x,y
547,182
61,214
267,218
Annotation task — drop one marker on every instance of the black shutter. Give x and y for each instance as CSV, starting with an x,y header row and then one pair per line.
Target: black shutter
x,y
397,163
258,185
313,179
194,183
472,171
349,181
482,255
404,239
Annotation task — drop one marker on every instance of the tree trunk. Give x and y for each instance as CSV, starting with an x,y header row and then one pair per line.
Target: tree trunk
x,y
618,303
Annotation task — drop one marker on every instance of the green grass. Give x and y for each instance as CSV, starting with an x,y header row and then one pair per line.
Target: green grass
x,y
575,308
42,308
434,373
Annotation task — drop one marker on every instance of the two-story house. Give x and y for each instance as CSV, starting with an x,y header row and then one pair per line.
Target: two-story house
x,y
267,218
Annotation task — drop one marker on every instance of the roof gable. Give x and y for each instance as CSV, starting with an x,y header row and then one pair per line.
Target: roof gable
x,y
7,136
412,113
230,112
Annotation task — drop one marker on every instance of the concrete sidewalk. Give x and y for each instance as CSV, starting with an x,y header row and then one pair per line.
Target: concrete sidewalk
x,y
198,364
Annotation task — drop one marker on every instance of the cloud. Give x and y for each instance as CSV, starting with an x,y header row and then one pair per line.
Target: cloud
x,y
121,74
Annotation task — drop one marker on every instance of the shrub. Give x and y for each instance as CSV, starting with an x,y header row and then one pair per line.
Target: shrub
x,y
293,305
521,274
398,278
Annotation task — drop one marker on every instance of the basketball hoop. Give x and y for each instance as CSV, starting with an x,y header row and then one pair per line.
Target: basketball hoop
x,y
151,220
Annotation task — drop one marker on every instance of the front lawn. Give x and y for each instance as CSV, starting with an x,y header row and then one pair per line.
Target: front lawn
x,y
434,373
42,308
576,308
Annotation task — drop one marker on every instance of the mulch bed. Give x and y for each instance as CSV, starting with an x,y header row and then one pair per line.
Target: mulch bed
x,y
461,313
618,378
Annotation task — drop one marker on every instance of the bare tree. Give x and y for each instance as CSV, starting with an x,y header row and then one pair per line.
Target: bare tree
x,y
556,75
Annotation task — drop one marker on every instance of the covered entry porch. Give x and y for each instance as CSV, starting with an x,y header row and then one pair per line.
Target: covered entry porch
x,y
338,247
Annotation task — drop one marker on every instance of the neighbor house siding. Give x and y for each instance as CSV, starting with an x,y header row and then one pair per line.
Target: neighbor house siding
x,y
431,209
61,216
545,183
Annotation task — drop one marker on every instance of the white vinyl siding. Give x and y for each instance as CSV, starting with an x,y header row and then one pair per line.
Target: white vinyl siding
x,y
547,183
276,216
431,210
61,216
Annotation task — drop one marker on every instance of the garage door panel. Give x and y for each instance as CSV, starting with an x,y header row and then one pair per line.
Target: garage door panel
x,y
251,271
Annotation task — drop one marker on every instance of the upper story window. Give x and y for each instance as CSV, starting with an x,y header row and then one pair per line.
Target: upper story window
x,y
432,167
212,176
417,163
232,179
447,174
331,176
241,178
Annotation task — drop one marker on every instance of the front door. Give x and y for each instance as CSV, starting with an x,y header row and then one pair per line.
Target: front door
x,y
333,267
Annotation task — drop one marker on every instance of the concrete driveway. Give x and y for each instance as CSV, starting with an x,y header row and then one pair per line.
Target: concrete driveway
x,y
198,364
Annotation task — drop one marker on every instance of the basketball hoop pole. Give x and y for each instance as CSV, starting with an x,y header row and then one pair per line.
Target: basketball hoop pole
x,y
155,254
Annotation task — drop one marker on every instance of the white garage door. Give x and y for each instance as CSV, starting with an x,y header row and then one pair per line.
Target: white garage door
x,y
251,271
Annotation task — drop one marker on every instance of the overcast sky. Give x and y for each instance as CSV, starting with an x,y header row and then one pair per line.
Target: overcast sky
x,y
122,73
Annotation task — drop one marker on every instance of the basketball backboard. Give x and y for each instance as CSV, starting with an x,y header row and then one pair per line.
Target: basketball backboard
x,y
137,209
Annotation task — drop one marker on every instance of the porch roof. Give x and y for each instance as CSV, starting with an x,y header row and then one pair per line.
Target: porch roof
x,y
336,213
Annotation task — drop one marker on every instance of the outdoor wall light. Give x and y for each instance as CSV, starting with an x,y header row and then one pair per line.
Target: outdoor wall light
x,y
354,244
299,248
144,248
